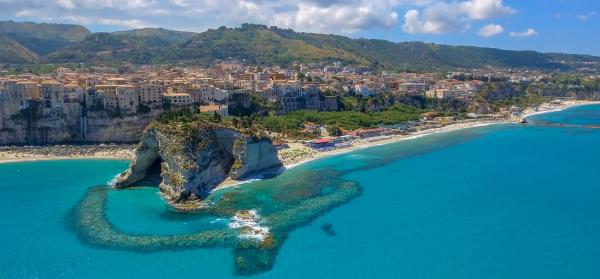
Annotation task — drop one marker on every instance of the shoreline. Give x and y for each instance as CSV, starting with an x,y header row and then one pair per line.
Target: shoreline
x,y
127,152
415,135
396,139
564,106
445,129
227,183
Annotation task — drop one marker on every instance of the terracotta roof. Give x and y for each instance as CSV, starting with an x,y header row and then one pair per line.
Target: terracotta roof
x,y
322,141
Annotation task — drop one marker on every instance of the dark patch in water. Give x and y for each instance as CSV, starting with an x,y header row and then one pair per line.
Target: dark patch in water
x,y
328,229
89,222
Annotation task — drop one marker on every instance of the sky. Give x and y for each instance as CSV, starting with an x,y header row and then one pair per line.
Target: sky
x,y
569,26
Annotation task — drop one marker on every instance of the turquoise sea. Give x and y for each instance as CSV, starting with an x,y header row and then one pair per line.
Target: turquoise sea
x,y
504,201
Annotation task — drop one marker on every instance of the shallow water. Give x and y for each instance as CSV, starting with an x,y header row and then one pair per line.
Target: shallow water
x,y
493,202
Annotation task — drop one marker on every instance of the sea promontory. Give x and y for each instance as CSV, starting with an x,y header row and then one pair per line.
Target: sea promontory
x,y
194,156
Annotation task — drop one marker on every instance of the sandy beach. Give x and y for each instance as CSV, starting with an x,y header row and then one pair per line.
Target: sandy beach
x,y
548,108
66,152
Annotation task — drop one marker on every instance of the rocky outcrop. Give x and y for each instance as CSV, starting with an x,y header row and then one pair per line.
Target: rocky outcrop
x,y
193,160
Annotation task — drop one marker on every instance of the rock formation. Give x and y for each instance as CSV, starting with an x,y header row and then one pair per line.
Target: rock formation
x,y
194,158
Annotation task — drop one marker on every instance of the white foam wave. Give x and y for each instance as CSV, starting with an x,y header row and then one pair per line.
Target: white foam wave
x,y
248,222
218,220
113,181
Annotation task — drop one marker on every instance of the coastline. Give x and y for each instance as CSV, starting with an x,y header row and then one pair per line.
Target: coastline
x,y
127,152
546,108
365,145
565,105
396,139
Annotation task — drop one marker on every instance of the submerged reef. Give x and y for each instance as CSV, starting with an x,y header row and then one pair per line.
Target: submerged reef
x,y
255,238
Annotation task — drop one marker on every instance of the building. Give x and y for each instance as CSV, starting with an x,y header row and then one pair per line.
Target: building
x,y
127,98
151,92
179,100
52,96
413,88
29,88
73,93
208,94
108,92
363,90
221,110
454,90
179,87
369,133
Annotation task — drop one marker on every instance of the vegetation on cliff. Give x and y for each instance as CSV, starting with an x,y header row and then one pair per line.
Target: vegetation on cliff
x,y
348,120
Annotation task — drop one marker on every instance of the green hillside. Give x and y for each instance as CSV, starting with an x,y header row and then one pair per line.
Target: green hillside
x,y
43,38
256,44
13,52
170,36
109,48
260,45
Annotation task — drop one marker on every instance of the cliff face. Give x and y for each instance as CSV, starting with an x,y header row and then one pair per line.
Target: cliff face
x,y
194,160
74,128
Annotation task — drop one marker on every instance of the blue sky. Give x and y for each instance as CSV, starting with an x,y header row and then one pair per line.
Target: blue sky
x,y
571,26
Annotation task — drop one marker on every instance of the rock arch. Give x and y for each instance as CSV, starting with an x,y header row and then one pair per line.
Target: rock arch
x,y
192,166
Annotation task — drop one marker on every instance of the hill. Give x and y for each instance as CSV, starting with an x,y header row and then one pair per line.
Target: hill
x,y
110,48
13,52
43,38
261,45
171,36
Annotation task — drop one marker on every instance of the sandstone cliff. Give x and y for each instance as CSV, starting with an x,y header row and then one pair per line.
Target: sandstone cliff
x,y
193,158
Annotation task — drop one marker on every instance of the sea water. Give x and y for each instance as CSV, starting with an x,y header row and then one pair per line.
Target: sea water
x,y
504,201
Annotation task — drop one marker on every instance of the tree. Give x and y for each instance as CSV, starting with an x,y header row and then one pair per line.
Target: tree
x,y
216,117
166,105
334,130
236,122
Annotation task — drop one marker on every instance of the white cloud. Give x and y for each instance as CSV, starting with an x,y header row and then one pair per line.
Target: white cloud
x,y
587,16
342,18
128,23
484,9
335,16
67,4
490,30
24,13
527,33
330,16
438,17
